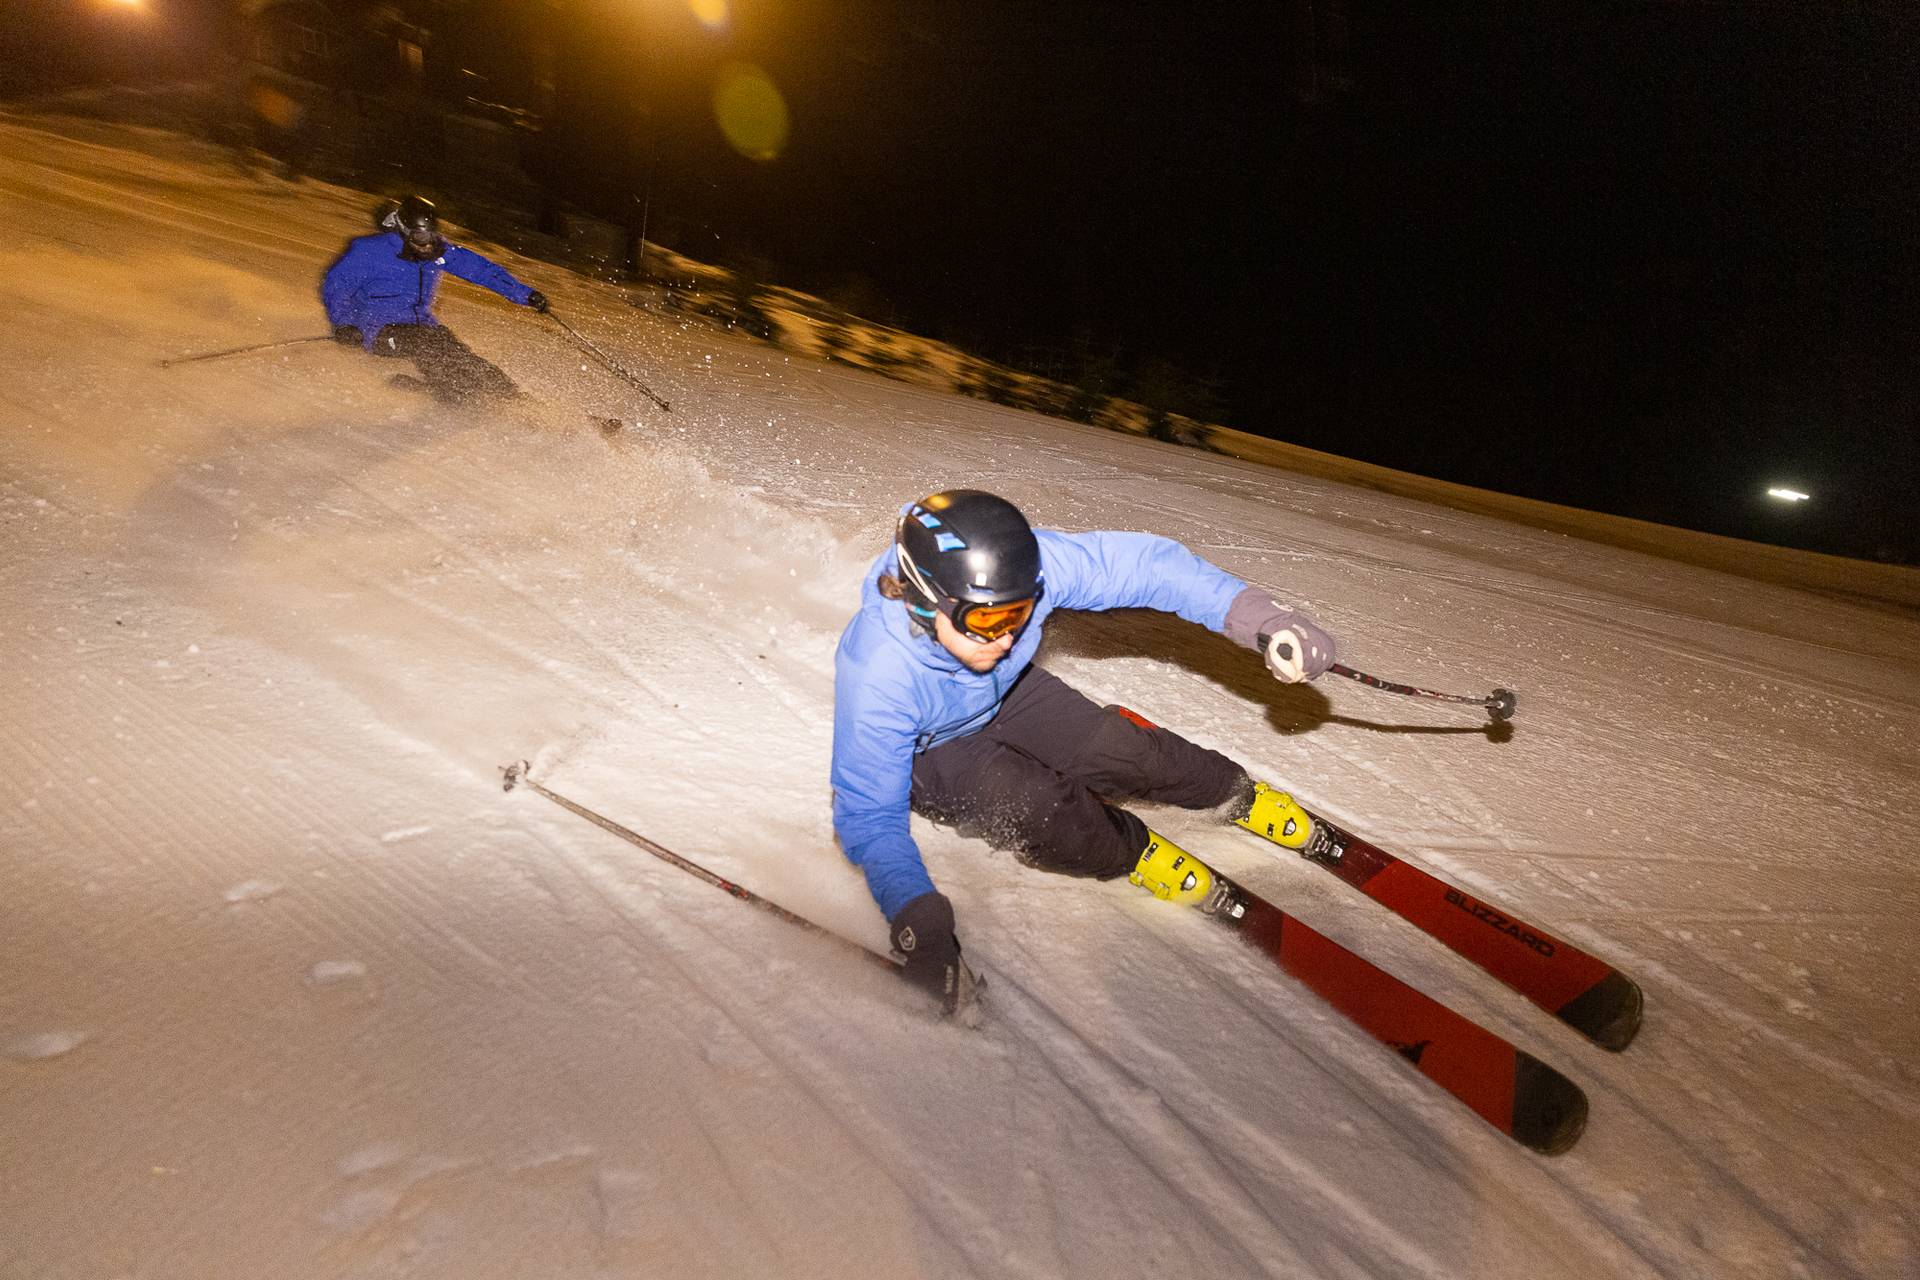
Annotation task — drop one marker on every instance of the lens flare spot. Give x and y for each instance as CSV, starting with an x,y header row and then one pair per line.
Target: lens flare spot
x,y
750,111
273,106
711,13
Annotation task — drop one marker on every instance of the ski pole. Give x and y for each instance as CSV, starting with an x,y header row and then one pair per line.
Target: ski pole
x,y
241,351
517,774
1500,704
610,362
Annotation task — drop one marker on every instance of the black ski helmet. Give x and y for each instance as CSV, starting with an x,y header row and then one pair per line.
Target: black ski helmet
x,y
966,547
415,219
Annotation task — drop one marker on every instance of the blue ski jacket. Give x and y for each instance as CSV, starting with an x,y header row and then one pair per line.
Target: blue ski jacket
x,y
897,691
371,285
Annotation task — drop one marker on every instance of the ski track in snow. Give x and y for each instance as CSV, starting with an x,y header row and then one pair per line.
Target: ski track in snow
x,y
294,988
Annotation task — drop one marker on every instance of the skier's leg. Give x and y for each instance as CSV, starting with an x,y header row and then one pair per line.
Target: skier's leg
x,y
1032,780
399,342
1048,719
987,789
471,374
1050,821
453,370
1260,808
394,341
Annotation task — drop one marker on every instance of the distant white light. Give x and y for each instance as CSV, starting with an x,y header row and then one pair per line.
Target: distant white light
x,y
1788,495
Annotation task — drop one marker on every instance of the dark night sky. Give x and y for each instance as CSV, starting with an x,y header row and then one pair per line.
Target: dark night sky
x,y
1646,258
1639,257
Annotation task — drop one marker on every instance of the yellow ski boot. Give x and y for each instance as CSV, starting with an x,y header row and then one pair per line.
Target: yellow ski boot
x,y
1275,816
1171,874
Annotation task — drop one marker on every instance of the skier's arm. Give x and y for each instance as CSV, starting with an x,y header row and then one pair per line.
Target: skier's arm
x,y
334,289
1116,570
873,742
874,731
344,283
486,273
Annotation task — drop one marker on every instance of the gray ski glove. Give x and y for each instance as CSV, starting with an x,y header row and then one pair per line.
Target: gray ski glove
x,y
923,936
1294,647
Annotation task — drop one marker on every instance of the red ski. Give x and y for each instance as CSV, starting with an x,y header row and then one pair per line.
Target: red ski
x,y
1512,1090
1587,994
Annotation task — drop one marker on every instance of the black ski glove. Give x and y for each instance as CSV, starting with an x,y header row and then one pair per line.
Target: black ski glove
x,y
538,301
923,937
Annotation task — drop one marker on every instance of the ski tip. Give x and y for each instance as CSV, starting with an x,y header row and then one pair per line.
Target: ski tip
x,y
1549,1110
1608,1012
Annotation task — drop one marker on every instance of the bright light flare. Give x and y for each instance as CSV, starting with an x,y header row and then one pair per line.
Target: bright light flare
x,y
712,14
1787,495
274,106
750,111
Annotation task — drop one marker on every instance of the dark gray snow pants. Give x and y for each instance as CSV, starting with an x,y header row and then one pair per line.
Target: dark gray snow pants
x,y
1035,780
453,371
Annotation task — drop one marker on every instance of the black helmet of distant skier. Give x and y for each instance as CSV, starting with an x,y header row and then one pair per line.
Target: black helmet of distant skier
x,y
972,556
417,222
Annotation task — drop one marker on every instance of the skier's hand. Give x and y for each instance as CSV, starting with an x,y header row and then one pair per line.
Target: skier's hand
x,y
1298,651
923,936
538,301
1294,648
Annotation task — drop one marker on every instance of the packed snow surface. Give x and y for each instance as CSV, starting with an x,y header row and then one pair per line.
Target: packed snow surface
x,y
291,987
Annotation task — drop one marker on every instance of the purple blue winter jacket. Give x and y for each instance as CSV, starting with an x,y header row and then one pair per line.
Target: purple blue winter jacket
x,y
897,691
371,285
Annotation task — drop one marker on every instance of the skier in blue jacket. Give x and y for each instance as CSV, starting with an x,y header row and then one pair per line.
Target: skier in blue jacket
x,y
379,294
939,710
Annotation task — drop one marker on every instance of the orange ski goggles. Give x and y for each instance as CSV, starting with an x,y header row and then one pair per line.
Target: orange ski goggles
x,y
988,622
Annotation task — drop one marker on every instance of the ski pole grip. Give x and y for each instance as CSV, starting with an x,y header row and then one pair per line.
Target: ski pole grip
x,y
1286,650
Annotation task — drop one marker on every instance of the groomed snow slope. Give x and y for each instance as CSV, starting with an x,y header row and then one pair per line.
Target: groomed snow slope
x,y
289,987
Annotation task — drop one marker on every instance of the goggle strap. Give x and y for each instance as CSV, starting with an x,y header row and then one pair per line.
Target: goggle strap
x,y
911,572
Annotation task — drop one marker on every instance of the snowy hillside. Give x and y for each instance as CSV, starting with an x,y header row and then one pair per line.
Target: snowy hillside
x,y
292,988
